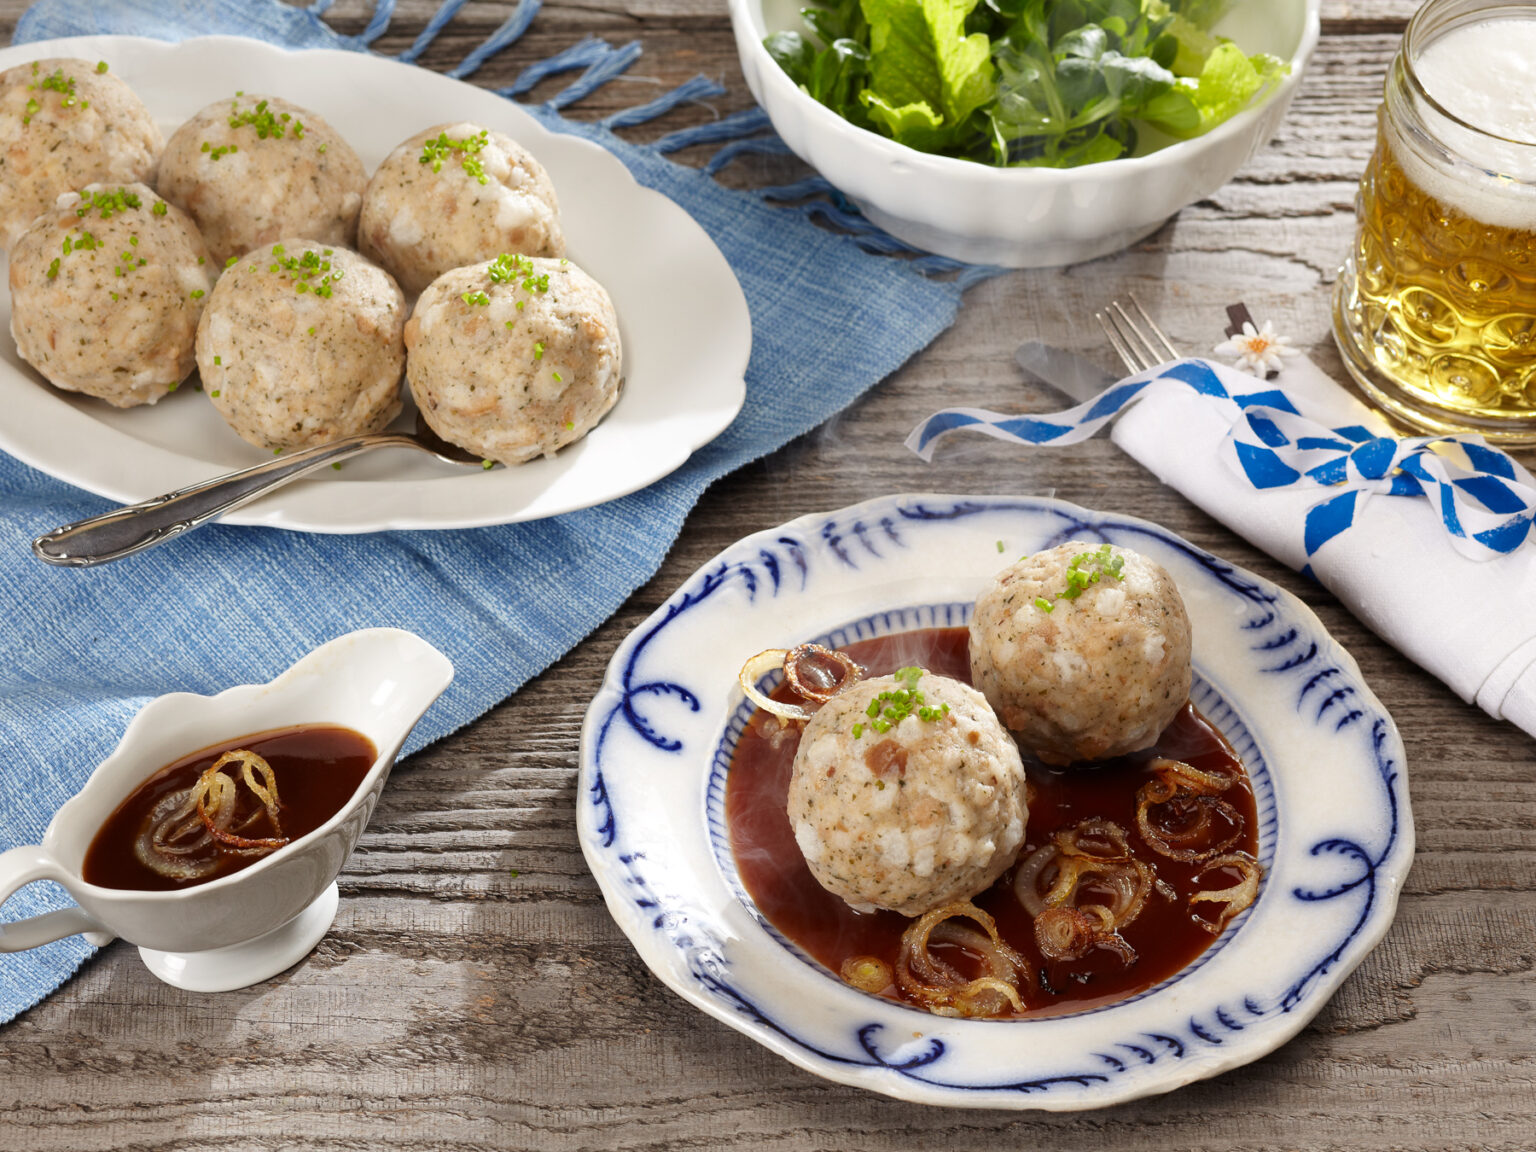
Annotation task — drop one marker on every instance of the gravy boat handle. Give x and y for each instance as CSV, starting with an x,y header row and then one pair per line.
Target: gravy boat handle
x,y
21,866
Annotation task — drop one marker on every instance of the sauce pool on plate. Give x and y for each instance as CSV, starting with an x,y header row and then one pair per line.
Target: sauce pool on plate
x,y
1166,936
315,770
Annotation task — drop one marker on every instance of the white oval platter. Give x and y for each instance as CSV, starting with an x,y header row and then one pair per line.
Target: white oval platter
x,y
685,348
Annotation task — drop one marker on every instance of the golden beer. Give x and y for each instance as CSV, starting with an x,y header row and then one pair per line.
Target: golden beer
x,y
1435,309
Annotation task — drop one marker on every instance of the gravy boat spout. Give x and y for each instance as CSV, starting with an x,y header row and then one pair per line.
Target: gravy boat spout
x,y
248,925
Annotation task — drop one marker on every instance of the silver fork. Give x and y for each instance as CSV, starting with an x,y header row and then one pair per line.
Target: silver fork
x,y
1135,336
134,527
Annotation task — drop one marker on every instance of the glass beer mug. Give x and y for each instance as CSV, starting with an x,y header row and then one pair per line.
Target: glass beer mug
x,y
1435,308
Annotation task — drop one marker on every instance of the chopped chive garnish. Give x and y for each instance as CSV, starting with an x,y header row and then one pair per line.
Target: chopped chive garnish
x,y
1088,568
434,151
55,81
508,266
268,125
107,203
892,707
310,272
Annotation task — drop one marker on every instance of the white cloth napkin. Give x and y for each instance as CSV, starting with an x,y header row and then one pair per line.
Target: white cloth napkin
x,y
1465,614
1470,622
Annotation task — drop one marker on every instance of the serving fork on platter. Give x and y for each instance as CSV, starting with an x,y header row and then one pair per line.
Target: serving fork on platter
x,y
134,527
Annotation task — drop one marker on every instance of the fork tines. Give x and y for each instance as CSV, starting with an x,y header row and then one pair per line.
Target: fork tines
x,y
1135,336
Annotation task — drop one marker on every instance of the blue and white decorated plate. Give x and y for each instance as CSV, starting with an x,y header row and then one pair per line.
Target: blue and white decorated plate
x,y
1335,838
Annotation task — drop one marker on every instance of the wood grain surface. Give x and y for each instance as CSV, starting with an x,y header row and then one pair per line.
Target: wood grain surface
x,y
474,993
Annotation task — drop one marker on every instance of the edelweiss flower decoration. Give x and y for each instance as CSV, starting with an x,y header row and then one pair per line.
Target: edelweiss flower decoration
x,y
1258,350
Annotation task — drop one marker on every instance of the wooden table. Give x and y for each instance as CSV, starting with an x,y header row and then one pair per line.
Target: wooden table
x,y
474,993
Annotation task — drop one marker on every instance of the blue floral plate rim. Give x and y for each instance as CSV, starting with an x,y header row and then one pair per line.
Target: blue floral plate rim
x,y
1337,837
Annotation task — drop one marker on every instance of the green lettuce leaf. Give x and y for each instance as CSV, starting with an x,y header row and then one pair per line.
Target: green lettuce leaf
x,y
1201,13
1025,82
1230,81
920,55
1193,43
915,125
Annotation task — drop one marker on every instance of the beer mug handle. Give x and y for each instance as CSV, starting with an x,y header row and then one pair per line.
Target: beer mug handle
x,y
20,867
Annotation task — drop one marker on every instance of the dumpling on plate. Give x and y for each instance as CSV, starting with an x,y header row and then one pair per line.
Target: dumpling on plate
x,y
66,123
301,344
907,794
106,293
253,170
1083,650
514,359
454,195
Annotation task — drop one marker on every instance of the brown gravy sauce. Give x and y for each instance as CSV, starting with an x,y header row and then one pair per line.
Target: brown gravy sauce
x,y
317,767
1165,938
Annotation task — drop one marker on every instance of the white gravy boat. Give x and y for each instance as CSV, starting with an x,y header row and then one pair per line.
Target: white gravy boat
x,y
250,925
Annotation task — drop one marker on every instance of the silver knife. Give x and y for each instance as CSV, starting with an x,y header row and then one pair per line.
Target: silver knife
x,y
1067,372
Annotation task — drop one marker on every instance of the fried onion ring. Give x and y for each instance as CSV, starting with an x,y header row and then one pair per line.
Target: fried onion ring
x,y
867,973
1092,860
217,798
1236,898
172,836
1071,933
1188,795
816,673
1093,855
188,831
933,983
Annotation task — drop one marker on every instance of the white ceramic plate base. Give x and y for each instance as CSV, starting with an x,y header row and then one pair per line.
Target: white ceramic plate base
x,y
1335,834
682,315
241,965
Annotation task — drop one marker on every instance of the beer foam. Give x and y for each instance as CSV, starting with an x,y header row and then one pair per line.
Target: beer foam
x,y
1484,75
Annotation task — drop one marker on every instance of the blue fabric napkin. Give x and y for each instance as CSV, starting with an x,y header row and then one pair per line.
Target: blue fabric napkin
x,y
83,650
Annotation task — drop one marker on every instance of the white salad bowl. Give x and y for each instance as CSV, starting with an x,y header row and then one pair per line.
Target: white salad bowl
x,y
1022,217
250,925
1335,835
